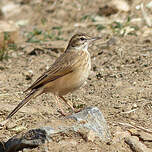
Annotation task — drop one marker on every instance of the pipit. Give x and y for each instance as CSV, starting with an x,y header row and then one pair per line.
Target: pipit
x,y
67,74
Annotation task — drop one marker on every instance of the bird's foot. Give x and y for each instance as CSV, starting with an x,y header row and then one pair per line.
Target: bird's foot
x,y
72,110
62,113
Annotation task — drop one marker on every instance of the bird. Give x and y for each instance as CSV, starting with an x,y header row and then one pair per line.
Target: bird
x,y
67,74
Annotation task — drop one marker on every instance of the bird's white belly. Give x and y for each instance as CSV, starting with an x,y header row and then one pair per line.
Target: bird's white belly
x,y
73,82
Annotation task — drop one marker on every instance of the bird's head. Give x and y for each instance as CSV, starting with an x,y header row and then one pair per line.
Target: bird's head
x,y
81,41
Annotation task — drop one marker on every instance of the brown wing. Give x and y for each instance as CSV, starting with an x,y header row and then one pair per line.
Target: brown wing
x,y
65,64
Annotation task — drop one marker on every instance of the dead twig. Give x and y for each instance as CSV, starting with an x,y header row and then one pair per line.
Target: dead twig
x,y
126,112
134,126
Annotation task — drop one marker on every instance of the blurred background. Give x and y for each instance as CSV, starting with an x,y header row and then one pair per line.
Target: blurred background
x,y
42,21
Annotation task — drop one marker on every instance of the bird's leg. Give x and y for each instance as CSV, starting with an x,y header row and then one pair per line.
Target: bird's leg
x,y
67,103
60,107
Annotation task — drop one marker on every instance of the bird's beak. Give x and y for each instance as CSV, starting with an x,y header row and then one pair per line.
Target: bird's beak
x,y
94,39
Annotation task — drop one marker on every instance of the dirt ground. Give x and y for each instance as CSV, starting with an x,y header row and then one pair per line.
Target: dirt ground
x,y
120,80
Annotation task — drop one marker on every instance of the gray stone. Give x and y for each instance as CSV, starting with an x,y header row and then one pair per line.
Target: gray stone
x,y
93,119
31,139
89,124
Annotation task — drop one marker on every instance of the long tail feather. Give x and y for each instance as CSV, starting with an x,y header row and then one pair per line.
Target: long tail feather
x,y
32,94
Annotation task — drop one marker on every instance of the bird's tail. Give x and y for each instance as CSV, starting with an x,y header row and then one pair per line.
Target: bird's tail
x,y
31,95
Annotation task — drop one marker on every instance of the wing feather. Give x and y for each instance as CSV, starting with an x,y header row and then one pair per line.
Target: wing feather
x,y
62,66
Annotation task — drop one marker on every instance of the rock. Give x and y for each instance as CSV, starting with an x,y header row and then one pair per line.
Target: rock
x,y
8,33
17,129
28,74
120,135
36,51
121,5
136,145
93,119
2,148
27,49
149,5
89,124
11,9
87,135
68,142
118,140
91,136
146,31
22,22
144,136
107,10
31,139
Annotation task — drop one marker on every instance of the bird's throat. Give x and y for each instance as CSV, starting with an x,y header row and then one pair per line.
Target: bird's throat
x,y
82,48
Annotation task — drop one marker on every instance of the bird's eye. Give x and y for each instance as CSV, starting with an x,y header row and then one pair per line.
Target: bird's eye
x,y
82,39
